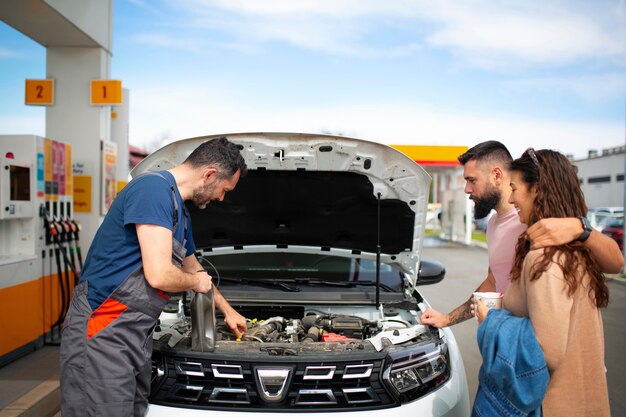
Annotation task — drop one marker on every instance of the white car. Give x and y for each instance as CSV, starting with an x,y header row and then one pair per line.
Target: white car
x,y
599,216
319,247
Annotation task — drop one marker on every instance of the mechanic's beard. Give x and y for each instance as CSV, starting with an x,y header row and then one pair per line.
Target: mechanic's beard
x,y
203,196
483,205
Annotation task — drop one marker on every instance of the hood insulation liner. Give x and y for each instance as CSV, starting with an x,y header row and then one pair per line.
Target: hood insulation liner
x,y
308,208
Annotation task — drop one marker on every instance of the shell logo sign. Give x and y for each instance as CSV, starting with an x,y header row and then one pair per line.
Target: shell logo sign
x,y
432,155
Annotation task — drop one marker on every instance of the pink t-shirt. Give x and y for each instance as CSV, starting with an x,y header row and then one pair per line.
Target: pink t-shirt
x,y
502,233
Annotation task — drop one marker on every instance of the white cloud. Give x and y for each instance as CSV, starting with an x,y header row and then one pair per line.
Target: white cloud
x,y
321,8
198,113
484,33
10,54
530,34
170,41
328,33
593,88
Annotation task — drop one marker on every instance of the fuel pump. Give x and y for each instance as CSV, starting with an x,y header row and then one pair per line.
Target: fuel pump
x,y
54,229
37,233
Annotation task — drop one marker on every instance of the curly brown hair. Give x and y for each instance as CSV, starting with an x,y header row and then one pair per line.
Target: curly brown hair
x,y
558,195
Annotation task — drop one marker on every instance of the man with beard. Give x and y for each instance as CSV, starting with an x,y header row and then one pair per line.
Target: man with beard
x,y
485,169
143,250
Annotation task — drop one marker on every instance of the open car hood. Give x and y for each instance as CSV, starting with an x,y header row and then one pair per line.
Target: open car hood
x,y
312,193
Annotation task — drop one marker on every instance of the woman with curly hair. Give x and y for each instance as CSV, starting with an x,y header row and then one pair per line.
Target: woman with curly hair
x,y
561,289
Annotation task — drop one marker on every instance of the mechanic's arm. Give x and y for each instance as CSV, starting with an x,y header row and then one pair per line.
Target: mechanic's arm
x,y
559,231
461,313
156,256
235,321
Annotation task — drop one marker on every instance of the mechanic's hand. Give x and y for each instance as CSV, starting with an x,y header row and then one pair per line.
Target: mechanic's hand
x,y
554,231
481,311
434,318
204,282
236,322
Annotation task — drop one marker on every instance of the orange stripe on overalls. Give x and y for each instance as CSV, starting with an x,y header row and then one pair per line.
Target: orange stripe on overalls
x,y
108,311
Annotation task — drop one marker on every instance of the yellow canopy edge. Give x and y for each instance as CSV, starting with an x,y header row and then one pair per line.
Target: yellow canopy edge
x,y
432,155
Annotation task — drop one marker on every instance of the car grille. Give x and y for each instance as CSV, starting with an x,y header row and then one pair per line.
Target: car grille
x,y
255,386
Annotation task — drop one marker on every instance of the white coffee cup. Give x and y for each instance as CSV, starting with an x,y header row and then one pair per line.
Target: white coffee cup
x,y
489,299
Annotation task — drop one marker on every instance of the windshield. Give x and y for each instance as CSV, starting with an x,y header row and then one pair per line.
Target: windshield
x,y
298,268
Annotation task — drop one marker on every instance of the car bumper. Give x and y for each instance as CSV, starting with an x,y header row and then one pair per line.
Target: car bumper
x,y
449,400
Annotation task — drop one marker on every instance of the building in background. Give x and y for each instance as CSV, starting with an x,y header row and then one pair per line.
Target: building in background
x,y
601,177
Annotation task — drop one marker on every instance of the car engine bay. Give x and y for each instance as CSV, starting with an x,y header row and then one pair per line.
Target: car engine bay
x,y
306,326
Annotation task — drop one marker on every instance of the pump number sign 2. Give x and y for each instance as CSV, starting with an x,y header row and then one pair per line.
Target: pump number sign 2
x,y
39,92
106,92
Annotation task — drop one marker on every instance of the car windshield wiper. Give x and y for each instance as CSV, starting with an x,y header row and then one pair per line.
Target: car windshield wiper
x,y
287,286
347,284
268,283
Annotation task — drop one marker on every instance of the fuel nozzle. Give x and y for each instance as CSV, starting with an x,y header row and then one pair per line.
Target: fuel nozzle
x,y
48,224
76,231
77,228
66,230
59,235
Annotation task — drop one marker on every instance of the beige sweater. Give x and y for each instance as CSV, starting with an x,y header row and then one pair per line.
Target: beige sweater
x,y
569,330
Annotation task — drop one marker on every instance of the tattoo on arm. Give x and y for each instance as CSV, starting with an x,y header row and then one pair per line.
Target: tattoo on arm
x,y
461,313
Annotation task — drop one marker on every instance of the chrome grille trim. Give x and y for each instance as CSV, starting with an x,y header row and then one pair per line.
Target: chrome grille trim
x,y
269,391
193,390
367,371
316,373
331,399
369,391
217,391
189,368
225,371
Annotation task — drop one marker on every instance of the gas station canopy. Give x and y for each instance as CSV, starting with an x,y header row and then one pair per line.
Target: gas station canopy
x,y
54,23
438,156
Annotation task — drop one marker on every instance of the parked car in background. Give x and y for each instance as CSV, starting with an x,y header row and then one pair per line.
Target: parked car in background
x,y
609,210
481,224
615,229
319,246
604,220
600,215
433,216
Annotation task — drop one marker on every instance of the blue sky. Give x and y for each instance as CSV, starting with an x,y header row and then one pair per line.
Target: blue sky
x,y
548,74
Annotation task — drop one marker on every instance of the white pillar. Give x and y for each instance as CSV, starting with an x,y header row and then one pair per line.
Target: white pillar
x,y
119,135
73,120
468,221
435,188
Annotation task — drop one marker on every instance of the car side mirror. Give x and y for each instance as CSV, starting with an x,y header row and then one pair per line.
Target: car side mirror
x,y
430,272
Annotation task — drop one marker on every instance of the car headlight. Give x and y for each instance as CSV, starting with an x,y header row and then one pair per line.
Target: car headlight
x,y
414,372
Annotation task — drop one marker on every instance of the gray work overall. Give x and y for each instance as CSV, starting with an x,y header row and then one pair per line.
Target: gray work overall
x,y
105,354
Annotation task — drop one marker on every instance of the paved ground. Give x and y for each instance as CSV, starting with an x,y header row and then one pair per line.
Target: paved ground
x,y
467,267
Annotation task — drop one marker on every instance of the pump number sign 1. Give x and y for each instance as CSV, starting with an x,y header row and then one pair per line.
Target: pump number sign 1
x,y
106,92
39,92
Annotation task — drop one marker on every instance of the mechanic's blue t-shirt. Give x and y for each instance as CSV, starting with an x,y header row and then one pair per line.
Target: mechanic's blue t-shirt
x,y
114,253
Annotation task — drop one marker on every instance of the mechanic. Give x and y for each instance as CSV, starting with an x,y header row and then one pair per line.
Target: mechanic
x,y
143,250
488,185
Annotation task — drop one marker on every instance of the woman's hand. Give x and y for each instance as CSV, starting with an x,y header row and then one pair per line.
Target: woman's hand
x,y
481,310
